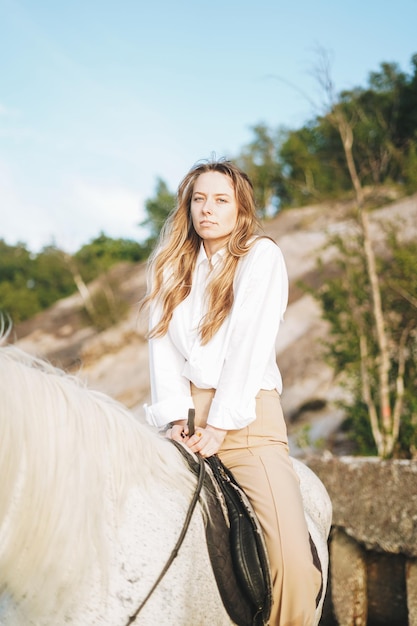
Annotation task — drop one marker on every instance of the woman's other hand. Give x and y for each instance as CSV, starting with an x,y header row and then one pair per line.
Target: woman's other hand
x,y
206,441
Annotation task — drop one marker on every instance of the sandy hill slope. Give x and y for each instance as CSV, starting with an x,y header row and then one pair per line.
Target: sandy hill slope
x,y
115,361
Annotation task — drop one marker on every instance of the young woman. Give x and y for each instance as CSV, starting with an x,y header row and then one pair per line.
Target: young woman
x,y
217,294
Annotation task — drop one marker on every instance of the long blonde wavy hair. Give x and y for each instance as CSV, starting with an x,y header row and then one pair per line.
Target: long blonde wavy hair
x,y
172,263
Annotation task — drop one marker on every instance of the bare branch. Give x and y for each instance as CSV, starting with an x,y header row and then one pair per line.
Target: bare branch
x,y
399,398
367,396
402,292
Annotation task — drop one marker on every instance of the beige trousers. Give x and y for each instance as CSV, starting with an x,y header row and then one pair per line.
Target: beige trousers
x,y
258,457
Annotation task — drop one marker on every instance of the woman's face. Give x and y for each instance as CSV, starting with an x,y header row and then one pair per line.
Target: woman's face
x,y
213,210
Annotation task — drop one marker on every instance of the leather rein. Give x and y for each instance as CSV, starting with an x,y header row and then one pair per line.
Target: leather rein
x,y
180,540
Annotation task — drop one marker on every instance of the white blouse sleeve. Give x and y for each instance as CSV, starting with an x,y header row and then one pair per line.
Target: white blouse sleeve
x,y
260,302
170,390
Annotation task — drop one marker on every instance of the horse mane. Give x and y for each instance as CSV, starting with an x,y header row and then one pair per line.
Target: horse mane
x,y
68,454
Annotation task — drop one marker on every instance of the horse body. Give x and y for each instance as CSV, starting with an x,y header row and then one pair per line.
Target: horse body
x,y
138,550
91,506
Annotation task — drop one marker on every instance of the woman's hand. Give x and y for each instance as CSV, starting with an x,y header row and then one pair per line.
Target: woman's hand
x,y
206,441
178,431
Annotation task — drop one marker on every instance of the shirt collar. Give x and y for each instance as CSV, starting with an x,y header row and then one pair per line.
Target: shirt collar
x,y
202,256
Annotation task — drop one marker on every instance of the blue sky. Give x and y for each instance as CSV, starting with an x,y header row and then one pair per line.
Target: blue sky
x,y
98,97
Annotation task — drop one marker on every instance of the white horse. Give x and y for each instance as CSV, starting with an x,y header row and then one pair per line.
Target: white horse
x,y
91,505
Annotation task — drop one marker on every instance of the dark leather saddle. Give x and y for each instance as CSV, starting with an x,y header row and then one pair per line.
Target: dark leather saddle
x,y
235,544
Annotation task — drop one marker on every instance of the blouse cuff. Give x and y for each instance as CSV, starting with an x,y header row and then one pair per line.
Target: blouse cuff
x,y
226,418
162,413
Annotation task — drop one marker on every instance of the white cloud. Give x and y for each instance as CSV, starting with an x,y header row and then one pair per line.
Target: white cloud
x,y
7,111
21,221
97,207
69,216
7,191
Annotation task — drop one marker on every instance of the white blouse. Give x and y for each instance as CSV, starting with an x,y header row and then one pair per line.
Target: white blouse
x,y
240,358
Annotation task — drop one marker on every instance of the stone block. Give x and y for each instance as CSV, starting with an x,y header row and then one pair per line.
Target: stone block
x,y
411,581
374,501
348,581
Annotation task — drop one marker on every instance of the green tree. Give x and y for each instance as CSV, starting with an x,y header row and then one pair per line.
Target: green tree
x,y
50,278
259,159
313,165
102,305
102,252
157,209
382,117
383,411
31,282
353,347
407,128
382,347
373,113
17,303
